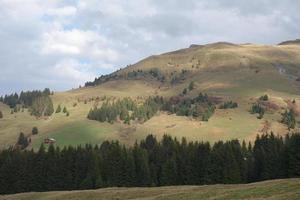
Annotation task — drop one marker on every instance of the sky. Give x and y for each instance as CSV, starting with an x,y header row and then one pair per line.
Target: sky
x,y
61,44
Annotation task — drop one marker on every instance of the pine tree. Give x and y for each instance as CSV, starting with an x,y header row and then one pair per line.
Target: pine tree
x,y
191,85
65,110
58,109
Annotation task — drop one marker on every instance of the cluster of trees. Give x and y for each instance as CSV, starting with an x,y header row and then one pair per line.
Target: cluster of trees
x,y
199,107
25,99
189,88
23,140
264,98
289,118
154,73
64,110
42,106
149,163
126,110
257,108
228,105
38,102
178,77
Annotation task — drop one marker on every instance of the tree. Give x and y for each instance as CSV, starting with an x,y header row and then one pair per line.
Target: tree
x,y
184,92
58,109
1,114
65,110
22,141
289,118
35,131
191,85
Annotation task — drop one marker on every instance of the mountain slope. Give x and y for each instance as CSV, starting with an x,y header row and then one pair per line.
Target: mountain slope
x,y
241,73
276,189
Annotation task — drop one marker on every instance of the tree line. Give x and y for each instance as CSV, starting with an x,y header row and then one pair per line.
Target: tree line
x,y
149,163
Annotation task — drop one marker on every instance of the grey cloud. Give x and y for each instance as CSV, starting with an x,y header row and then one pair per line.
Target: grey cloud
x,y
127,31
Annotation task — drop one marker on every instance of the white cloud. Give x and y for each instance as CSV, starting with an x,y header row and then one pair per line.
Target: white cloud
x,y
83,39
72,70
64,11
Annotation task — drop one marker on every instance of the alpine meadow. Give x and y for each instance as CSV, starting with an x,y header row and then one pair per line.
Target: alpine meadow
x,y
209,120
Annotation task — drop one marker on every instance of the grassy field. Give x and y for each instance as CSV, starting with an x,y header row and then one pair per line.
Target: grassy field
x,y
233,72
288,189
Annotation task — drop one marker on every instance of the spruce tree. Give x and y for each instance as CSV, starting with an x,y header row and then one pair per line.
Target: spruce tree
x,y
58,109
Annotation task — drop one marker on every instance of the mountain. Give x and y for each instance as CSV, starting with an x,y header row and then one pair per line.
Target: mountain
x,y
240,73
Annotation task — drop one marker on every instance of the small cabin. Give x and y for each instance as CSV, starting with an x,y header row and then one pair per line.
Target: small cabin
x,y
49,141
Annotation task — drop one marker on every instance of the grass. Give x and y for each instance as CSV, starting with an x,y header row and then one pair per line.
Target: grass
x,y
79,132
274,190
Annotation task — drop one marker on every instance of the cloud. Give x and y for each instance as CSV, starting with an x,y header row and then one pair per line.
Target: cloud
x,y
63,43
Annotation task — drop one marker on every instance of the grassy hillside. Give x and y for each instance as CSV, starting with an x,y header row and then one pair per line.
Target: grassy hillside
x,y
233,72
275,190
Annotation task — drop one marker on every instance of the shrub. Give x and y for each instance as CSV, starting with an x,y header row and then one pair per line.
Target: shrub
x,y
35,131
191,85
264,98
1,114
228,104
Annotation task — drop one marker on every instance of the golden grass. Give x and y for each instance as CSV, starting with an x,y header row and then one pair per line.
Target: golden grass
x,y
269,190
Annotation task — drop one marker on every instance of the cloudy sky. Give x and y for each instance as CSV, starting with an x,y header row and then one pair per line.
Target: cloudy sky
x,y
62,44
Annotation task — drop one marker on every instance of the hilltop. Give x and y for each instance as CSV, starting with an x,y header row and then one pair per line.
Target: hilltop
x,y
232,72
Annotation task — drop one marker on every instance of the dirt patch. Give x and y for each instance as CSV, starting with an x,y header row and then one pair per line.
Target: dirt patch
x,y
266,127
270,105
125,132
294,107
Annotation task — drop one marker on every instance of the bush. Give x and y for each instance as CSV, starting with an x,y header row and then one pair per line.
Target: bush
x,y
22,141
35,131
228,104
264,98
1,114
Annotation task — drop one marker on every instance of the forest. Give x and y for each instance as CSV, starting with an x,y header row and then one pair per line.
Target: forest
x,y
150,162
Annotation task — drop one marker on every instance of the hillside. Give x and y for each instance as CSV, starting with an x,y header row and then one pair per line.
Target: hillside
x,y
233,72
276,189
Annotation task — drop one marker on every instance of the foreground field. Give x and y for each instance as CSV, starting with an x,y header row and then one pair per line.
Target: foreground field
x,y
276,189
